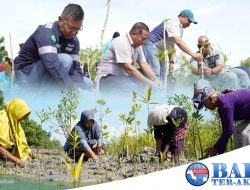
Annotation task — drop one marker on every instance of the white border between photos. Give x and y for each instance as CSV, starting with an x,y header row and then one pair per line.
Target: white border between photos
x,y
174,178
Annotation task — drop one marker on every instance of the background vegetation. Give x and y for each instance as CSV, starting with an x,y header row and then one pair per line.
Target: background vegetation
x,y
201,133
36,136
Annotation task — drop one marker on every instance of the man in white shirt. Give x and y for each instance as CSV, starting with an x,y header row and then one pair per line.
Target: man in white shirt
x,y
173,35
124,67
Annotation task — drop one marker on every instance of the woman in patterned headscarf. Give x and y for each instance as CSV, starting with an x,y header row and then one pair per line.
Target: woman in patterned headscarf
x,y
169,123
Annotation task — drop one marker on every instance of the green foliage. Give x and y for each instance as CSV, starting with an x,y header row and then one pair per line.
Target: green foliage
x,y
183,74
3,51
37,137
130,124
200,133
134,143
1,100
102,113
61,120
90,56
73,139
163,54
75,171
147,98
62,117
246,63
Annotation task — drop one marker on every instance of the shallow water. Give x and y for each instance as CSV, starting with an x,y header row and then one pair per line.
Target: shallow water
x,y
18,183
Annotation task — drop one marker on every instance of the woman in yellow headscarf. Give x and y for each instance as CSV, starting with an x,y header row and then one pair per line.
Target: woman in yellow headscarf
x,y
13,144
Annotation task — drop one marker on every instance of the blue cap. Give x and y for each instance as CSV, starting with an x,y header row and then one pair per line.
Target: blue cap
x,y
188,13
200,93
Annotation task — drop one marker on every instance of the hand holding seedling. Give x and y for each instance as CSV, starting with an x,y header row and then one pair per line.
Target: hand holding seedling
x,y
158,83
208,71
198,56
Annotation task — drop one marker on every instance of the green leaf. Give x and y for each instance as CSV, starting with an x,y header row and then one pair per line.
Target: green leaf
x,y
138,123
78,167
105,135
105,127
149,92
70,168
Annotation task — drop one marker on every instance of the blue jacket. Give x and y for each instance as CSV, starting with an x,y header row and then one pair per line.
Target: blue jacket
x,y
44,44
85,136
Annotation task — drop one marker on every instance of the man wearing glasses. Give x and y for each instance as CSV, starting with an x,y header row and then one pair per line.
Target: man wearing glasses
x,y
211,68
50,56
124,68
173,31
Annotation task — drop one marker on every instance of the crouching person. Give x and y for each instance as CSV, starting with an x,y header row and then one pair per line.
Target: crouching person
x,y
88,136
13,143
169,123
231,106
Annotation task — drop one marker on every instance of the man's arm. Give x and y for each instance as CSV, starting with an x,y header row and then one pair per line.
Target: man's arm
x,y
195,67
219,62
133,72
182,45
216,70
48,53
76,73
147,70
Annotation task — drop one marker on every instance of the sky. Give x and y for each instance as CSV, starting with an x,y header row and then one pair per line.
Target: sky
x,y
225,22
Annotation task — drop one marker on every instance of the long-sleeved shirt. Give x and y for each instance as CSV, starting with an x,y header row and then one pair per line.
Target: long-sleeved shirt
x,y
85,135
231,107
45,44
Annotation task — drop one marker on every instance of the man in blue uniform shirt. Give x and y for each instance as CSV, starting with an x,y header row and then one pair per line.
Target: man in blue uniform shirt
x,y
50,56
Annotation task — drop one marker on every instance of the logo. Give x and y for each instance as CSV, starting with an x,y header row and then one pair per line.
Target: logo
x,y
53,38
231,174
197,174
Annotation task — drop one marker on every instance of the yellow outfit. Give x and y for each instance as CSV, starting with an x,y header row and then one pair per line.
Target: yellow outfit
x,y
11,133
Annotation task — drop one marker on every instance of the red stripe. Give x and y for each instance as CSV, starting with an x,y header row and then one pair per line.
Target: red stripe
x,y
200,171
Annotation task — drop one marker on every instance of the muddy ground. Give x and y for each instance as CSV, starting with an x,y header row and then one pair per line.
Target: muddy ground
x,y
49,166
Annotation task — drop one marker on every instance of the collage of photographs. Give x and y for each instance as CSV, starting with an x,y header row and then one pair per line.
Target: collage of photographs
x,y
100,91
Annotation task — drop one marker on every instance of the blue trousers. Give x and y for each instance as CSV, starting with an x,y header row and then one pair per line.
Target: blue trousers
x,y
39,78
151,54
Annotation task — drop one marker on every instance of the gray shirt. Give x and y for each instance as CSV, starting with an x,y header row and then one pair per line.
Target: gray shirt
x,y
121,51
213,59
